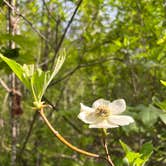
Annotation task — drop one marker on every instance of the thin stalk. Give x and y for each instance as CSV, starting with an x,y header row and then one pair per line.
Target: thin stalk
x,y
108,158
63,140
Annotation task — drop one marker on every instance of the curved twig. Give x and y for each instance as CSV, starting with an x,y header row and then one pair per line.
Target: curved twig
x,y
63,140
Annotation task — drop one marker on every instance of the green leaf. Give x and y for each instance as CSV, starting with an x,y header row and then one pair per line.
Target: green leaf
x,y
125,147
118,43
163,118
162,40
163,82
161,104
138,158
29,70
149,115
17,69
132,156
58,64
39,81
126,41
138,162
146,151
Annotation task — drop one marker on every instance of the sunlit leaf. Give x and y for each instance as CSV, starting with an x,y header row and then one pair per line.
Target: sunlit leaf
x,y
125,147
163,118
163,82
58,64
17,69
138,158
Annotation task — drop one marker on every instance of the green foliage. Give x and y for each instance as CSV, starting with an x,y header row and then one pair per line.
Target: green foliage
x,y
17,69
163,82
115,49
149,115
10,53
37,80
19,39
163,118
24,51
135,158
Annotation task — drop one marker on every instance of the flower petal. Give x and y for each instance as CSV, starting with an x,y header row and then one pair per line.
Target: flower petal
x,y
102,124
88,117
117,106
85,108
101,102
120,120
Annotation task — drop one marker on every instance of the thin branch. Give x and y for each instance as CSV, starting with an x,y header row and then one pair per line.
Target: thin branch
x,y
4,85
65,31
55,108
29,133
107,153
108,158
70,122
63,140
11,91
26,20
66,75
92,63
48,11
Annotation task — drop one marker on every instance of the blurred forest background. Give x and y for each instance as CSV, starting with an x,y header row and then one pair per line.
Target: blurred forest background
x,y
114,49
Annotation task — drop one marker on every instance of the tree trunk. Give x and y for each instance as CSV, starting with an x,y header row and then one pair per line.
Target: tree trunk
x,y
15,102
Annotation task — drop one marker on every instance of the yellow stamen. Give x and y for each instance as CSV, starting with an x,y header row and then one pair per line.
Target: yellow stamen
x,y
103,111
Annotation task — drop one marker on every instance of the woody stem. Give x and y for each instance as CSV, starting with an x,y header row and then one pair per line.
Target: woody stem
x,y
63,140
108,158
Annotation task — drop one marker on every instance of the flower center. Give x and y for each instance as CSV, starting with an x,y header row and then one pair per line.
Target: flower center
x,y
103,111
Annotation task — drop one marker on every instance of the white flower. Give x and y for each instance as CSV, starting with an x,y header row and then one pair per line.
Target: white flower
x,y
105,114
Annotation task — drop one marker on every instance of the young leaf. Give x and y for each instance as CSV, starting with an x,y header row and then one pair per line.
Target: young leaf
x,y
163,118
38,83
132,157
17,69
59,62
135,158
146,151
41,80
125,147
29,70
163,82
